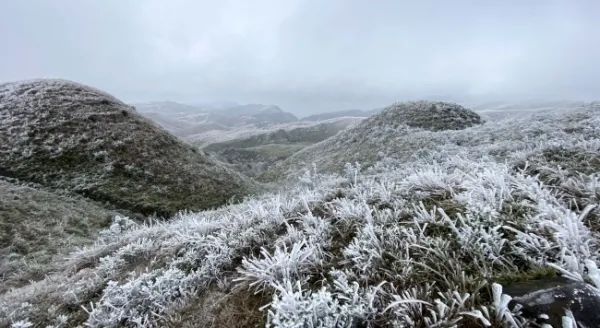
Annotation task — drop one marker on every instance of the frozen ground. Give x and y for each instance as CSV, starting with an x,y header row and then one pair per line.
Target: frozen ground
x,y
426,232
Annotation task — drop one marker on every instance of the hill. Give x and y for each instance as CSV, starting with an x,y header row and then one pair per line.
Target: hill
x,y
494,225
384,135
256,154
68,136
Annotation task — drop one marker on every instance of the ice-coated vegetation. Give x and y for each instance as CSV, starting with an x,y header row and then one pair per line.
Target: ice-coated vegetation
x,y
36,225
387,138
68,136
430,242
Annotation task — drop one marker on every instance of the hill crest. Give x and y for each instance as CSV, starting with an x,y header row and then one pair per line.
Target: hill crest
x,y
65,135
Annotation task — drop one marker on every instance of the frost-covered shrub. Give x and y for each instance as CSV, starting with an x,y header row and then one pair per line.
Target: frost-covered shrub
x,y
119,226
340,305
284,265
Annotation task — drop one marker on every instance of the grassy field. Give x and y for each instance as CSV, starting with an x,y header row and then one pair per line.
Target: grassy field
x,y
434,232
38,226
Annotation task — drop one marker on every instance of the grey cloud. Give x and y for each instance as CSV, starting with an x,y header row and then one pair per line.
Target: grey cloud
x,y
308,55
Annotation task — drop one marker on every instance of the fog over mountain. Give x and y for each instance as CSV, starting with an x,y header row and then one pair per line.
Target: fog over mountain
x,y
309,56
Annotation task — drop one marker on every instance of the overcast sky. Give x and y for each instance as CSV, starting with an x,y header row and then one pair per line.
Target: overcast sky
x,y
308,55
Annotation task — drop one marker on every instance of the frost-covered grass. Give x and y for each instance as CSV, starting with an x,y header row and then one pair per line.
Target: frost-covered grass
x,y
37,225
386,139
430,242
68,136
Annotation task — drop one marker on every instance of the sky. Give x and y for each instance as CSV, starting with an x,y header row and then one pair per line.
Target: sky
x,y
309,56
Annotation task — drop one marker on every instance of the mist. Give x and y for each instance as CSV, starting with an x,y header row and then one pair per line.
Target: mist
x,y
309,56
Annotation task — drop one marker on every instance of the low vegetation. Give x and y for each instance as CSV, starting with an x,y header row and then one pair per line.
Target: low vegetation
x,y
384,136
431,232
38,226
67,136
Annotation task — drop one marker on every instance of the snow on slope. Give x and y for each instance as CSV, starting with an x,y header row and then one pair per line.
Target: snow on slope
x,y
37,226
386,138
420,243
65,135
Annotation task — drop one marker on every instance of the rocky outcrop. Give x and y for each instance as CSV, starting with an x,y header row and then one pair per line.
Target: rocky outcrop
x,y
547,301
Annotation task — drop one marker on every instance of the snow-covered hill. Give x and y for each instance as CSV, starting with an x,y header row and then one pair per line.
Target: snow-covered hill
x,y
388,134
437,232
38,227
68,136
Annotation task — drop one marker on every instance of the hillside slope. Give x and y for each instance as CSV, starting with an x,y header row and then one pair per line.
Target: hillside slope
x,y
256,154
383,135
442,240
36,225
68,136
